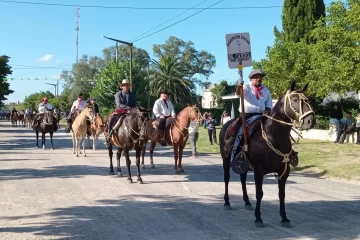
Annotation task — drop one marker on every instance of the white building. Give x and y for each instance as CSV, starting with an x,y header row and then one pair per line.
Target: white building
x,y
207,101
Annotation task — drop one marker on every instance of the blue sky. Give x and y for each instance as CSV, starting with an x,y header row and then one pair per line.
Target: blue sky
x,y
34,31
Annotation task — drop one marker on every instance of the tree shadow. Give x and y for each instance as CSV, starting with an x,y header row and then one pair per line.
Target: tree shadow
x,y
141,216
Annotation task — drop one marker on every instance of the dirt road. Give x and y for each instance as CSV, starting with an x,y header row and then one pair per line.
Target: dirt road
x,y
51,194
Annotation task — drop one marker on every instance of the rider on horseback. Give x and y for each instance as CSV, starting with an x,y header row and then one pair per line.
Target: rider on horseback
x,y
163,110
43,108
125,101
28,112
257,101
95,106
76,107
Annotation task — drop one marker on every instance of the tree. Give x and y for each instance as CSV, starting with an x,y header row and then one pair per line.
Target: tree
x,y
140,55
5,70
299,17
170,75
33,100
222,89
105,90
193,61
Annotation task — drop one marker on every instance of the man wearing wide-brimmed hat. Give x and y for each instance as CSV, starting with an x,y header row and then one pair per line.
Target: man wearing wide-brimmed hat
x,y
163,110
77,106
124,101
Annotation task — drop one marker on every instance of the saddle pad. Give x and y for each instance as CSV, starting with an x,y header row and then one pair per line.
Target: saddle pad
x,y
116,116
115,141
252,124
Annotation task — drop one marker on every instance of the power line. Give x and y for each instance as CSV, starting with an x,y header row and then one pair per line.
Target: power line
x,y
177,22
136,8
16,65
167,21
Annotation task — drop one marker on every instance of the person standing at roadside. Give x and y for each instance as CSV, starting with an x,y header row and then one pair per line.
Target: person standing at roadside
x,y
193,136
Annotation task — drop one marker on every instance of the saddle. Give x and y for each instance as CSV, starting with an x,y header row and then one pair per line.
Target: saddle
x,y
155,124
48,119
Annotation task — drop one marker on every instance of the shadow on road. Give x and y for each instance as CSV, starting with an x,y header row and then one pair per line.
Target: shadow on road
x,y
170,217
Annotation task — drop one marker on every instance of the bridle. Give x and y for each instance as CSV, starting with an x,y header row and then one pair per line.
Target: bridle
x,y
141,126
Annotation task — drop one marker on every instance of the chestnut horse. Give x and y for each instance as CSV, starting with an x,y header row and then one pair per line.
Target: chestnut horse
x,y
176,135
97,127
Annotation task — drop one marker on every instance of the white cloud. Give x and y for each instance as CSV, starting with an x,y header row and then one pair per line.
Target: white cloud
x,y
46,58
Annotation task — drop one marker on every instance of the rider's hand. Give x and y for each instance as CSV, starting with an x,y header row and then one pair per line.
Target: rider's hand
x,y
162,116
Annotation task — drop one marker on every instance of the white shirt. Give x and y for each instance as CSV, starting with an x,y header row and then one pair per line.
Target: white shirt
x,y
77,107
42,109
22,112
226,119
160,108
251,103
28,111
193,127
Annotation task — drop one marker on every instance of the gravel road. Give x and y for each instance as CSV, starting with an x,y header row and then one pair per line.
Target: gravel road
x,y
51,194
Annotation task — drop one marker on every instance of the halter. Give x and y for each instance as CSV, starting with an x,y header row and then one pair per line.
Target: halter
x,y
297,123
142,127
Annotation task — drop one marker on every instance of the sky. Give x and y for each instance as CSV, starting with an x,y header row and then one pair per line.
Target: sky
x,y
44,36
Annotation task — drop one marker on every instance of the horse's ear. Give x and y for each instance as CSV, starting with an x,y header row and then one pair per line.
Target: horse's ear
x,y
189,105
305,87
292,85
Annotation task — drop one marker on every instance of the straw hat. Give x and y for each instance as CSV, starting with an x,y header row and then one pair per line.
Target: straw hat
x,y
125,81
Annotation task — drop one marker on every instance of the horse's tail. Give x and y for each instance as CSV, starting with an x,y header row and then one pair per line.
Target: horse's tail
x,y
224,146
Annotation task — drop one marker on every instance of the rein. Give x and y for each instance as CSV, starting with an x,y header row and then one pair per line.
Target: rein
x,y
143,126
294,123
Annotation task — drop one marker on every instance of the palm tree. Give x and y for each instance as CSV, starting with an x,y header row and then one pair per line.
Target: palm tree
x,y
170,75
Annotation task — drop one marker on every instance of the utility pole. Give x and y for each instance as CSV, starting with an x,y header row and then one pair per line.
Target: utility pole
x,y
77,34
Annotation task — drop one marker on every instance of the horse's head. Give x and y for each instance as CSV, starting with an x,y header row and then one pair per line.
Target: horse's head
x,y
99,123
143,118
89,113
195,114
297,107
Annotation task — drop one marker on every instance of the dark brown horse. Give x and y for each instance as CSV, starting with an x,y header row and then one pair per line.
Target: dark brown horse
x,y
47,125
130,135
269,147
176,135
14,119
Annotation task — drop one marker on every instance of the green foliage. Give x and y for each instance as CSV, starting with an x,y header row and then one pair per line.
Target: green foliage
x,y
170,75
33,100
331,63
194,62
5,70
298,18
222,89
139,55
104,91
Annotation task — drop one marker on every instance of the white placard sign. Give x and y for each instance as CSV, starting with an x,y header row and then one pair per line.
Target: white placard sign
x,y
238,49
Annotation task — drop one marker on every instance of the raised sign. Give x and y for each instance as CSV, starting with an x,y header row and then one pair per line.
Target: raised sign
x,y
238,49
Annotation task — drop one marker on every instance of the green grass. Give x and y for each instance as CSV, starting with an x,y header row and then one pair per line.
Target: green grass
x,y
316,158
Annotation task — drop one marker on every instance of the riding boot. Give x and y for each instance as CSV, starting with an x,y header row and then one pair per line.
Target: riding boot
x,y
239,163
108,139
162,137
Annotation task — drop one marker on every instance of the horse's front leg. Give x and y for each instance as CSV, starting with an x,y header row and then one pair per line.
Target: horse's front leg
x,y
88,140
151,152
143,150
95,139
181,149
243,178
111,156
285,222
51,140
259,177
118,156
138,152
37,139
43,140
128,163
83,145
176,156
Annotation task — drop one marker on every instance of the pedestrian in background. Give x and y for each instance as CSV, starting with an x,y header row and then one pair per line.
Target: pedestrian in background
x,y
211,122
194,136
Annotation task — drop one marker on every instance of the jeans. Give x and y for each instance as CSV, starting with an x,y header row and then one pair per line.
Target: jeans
x,y
338,123
212,135
193,138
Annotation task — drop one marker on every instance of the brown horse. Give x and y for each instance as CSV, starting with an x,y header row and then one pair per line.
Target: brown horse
x,y
97,127
130,135
28,120
176,135
269,147
14,119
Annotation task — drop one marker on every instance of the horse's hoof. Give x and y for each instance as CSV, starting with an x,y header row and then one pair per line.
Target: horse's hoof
x,y
152,166
84,155
248,207
140,181
142,166
130,181
52,148
119,174
286,224
77,155
177,171
111,173
259,224
44,148
36,147
182,170
227,207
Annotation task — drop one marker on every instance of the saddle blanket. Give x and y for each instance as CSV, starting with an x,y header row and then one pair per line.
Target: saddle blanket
x,y
116,115
239,139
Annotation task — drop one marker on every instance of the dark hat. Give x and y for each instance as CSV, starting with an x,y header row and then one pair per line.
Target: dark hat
x,y
80,95
164,91
255,72
92,99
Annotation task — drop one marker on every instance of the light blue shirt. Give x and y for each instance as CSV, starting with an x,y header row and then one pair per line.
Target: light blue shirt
x,y
251,103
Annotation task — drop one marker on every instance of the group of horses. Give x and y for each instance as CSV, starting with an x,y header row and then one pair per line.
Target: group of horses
x,y
269,145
